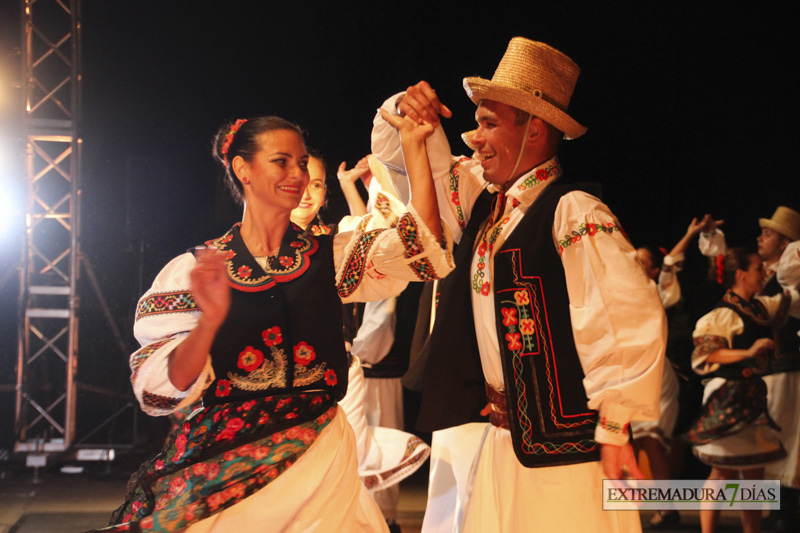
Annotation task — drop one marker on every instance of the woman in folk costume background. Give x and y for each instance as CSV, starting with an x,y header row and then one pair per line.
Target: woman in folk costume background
x,y
734,433
251,323
386,455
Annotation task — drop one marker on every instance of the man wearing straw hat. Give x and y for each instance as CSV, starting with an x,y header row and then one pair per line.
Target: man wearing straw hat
x,y
547,295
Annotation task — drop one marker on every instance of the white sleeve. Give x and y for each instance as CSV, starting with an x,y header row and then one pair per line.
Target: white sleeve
x,y
386,249
712,244
458,180
618,321
713,332
669,290
165,316
773,303
788,271
376,334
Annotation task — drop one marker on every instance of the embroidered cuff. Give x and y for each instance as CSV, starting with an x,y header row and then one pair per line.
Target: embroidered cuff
x,y
613,425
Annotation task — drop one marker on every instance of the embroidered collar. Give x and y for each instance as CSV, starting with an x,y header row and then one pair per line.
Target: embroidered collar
x,y
244,271
528,186
753,309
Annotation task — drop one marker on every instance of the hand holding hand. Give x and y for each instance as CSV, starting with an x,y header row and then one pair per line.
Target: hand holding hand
x,y
210,287
421,104
409,130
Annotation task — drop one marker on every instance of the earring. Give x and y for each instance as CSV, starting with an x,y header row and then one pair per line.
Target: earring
x,y
245,180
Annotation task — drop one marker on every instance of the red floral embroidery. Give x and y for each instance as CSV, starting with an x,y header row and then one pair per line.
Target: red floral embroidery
x,y
250,359
227,238
513,341
223,388
542,174
747,372
482,249
455,199
304,354
509,316
296,244
244,271
591,230
521,297
485,288
272,336
330,377
160,464
526,326
286,261
230,254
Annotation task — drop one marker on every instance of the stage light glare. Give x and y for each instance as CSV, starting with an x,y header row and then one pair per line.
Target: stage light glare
x,y
10,201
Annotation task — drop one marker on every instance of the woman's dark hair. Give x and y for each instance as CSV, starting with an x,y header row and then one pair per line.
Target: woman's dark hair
x,y
656,255
723,268
244,142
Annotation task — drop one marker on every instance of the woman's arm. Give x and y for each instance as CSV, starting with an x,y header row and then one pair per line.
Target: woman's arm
x,y
211,292
726,356
415,155
347,182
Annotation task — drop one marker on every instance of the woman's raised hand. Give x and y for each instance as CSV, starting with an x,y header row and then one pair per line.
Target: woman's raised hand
x,y
210,287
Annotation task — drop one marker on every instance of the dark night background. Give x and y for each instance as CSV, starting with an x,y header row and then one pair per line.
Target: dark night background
x,y
691,109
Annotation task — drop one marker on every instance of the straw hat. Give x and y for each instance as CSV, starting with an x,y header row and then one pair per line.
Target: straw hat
x,y
785,221
536,78
467,138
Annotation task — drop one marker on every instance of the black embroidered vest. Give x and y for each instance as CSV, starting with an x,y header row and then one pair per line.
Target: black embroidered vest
x,y
549,419
752,332
283,332
550,423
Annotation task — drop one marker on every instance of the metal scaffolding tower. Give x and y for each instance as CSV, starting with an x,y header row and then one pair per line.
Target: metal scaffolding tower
x,y
48,299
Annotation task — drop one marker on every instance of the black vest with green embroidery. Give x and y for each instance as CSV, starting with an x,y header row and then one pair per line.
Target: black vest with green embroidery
x,y
283,332
549,420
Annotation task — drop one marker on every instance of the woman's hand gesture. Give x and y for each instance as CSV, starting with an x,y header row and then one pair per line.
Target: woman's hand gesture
x,y
210,287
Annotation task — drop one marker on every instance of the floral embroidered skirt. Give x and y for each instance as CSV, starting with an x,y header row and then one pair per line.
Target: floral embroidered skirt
x,y
734,429
218,457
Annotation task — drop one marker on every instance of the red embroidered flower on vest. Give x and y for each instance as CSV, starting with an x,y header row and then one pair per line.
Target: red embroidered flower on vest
x,y
304,354
250,359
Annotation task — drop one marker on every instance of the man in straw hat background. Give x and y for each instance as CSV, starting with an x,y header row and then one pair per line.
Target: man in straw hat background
x,y
777,250
547,294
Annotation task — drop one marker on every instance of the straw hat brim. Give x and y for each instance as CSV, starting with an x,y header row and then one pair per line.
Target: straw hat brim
x,y
482,89
786,231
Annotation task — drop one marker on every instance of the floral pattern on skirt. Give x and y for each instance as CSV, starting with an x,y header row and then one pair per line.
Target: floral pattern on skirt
x,y
735,405
220,456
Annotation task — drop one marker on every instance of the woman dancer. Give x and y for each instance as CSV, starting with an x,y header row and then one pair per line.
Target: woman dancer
x,y
251,323
734,434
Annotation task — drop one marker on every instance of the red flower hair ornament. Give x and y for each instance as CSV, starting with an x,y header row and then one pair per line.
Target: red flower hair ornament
x,y
229,139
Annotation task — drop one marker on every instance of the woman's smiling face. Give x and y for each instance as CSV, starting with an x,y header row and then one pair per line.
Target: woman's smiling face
x,y
277,175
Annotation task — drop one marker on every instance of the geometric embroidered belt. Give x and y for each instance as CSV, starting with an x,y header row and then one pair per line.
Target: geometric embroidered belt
x,y
498,416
